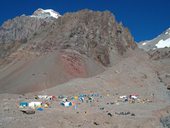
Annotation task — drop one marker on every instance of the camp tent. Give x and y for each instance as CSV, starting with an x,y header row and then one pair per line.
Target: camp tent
x,y
64,99
45,97
51,98
66,104
122,97
42,97
35,104
81,99
23,104
134,95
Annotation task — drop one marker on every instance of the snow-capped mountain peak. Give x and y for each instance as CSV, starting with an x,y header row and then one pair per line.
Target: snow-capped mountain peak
x,y
161,41
45,13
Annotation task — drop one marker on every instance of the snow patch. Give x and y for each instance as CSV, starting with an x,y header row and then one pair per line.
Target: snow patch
x,y
143,43
163,43
45,13
166,33
52,13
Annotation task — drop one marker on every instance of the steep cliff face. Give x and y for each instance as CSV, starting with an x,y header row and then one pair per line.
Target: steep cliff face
x,y
15,32
95,34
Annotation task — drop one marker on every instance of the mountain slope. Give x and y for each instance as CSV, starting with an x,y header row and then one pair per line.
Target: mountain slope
x,y
94,34
158,50
39,73
75,45
161,41
15,32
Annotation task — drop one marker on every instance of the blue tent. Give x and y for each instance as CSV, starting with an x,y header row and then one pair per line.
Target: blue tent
x,y
23,104
40,109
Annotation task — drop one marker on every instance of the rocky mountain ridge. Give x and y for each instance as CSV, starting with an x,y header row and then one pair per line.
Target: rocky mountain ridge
x,y
159,47
15,32
50,51
161,41
95,34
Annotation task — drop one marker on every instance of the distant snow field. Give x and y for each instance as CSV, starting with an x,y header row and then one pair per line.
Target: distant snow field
x,y
163,43
41,13
52,13
144,44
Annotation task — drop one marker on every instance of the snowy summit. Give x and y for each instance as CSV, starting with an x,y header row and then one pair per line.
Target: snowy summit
x,y
45,13
161,41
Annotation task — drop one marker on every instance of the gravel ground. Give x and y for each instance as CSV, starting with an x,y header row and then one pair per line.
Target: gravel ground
x,y
133,74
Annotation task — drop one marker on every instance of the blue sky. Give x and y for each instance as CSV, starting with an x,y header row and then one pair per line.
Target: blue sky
x,y
145,18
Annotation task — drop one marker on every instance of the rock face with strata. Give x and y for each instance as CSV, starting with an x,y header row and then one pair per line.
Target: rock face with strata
x,y
94,34
16,32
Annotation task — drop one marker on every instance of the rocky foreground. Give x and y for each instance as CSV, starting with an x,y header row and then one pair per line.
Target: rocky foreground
x,y
133,74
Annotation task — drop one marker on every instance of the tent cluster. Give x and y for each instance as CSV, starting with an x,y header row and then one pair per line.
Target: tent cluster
x,y
132,98
67,101
45,97
39,103
30,104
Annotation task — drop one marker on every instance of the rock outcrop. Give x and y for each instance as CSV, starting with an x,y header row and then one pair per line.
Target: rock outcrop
x,y
157,54
15,32
94,34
